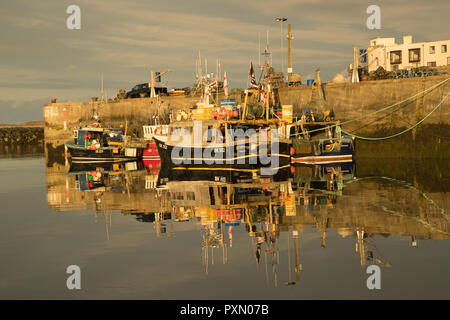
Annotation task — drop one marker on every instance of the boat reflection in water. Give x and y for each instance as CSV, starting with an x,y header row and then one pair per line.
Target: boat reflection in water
x,y
268,209
224,202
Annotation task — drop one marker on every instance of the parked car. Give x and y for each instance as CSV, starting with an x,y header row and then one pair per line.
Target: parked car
x,y
143,88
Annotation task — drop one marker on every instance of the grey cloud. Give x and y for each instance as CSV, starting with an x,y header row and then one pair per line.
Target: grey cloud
x,y
124,39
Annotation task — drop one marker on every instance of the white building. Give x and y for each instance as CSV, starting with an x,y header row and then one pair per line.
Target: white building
x,y
391,56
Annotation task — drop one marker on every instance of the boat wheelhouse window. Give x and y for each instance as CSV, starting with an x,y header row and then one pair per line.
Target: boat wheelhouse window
x,y
177,196
211,196
292,131
209,134
190,195
81,139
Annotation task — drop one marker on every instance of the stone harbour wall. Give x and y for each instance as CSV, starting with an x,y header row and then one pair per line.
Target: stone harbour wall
x,y
348,100
21,135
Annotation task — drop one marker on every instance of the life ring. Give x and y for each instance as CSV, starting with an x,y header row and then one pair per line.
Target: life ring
x,y
157,131
222,112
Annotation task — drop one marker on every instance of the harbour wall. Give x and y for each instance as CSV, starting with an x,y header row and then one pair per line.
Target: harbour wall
x,y
13,136
348,100
353,100
132,113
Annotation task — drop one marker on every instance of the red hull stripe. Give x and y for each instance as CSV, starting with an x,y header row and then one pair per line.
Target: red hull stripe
x,y
319,159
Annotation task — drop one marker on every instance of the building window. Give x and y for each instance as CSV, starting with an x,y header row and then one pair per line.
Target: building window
x,y
432,49
414,55
444,48
190,195
396,57
431,64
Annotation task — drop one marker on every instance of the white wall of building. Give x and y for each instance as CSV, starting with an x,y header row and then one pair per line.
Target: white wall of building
x,y
380,50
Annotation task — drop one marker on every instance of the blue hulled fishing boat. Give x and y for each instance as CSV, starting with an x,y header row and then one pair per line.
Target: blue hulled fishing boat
x,y
95,144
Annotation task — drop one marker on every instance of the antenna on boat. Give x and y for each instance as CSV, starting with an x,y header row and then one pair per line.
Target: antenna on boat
x,y
267,54
217,81
200,64
196,69
259,49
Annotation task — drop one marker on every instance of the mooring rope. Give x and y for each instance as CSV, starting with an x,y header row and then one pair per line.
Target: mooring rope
x,y
408,185
426,224
400,133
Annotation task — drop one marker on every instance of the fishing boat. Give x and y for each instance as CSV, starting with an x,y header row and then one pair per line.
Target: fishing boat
x,y
225,145
320,143
317,137
227,136
150,155
96,144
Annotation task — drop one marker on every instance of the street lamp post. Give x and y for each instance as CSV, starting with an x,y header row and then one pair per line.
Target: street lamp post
x,y
281,20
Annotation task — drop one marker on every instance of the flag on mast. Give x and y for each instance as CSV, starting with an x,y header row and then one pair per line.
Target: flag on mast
x,y
225,84
251,74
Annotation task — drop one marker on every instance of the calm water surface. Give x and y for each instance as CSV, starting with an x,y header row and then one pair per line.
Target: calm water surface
x,y
298,238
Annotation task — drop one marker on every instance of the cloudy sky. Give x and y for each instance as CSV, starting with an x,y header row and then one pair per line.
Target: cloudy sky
x,y
41,59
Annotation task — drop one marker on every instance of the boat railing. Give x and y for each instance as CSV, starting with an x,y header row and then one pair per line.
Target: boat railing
x,y
335,139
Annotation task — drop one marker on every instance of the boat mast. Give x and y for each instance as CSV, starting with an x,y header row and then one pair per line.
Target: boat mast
x,y
217,82
259,50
